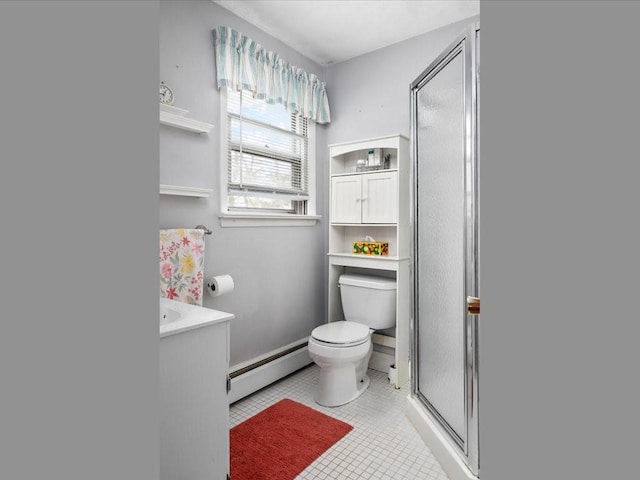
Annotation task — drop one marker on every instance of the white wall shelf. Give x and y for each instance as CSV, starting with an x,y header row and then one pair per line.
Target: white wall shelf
x,y
175,117
365,173
185,123
185,191
378,262
376,204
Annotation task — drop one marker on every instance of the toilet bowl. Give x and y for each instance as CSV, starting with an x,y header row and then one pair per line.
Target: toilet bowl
x,y
342,349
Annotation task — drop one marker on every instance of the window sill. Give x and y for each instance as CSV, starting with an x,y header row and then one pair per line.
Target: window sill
x,y
250,220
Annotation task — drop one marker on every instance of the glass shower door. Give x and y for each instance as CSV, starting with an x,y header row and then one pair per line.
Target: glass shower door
x,y
445,247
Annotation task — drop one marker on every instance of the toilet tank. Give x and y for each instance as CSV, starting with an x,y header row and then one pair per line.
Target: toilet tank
x,y
368,300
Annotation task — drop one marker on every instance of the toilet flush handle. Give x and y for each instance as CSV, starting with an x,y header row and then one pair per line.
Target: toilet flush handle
x,y
473,305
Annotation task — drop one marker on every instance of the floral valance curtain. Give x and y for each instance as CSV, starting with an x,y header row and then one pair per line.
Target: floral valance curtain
x,y
243,64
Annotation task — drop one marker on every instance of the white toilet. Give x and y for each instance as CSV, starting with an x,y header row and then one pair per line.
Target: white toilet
x,y
342,349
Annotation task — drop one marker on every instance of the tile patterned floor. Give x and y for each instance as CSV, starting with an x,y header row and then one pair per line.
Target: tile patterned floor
x,y
382,445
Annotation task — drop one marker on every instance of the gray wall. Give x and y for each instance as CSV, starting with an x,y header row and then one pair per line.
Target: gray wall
x,y
279,294
279,272
369,95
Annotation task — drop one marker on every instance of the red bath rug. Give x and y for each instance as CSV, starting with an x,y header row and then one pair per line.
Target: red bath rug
x,y
281,441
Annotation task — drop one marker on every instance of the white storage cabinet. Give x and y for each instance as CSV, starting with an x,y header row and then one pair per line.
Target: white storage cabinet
x,y
376,204
364,198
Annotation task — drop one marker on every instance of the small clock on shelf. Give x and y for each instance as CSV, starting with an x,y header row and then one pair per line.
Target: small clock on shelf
x,y
166,94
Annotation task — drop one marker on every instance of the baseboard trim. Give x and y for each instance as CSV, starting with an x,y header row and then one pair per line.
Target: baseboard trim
x,y
266,373
441,448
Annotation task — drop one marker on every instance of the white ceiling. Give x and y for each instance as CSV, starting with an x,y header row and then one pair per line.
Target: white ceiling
x,y
331,31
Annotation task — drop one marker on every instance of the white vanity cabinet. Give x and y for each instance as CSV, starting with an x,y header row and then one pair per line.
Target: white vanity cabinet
x,y
365,198
194,403
373,203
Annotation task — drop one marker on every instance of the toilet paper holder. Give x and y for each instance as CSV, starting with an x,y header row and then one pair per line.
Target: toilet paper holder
x,y
220,285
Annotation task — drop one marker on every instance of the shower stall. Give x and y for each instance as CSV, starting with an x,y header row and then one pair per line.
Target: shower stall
x,y
445,145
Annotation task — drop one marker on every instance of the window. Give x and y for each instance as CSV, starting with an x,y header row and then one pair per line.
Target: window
x,y
269,159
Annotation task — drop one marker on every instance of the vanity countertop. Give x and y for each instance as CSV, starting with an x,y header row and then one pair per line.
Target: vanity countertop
x,y
177,317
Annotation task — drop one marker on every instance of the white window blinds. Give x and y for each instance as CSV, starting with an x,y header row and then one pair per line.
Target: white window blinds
x,y
267,156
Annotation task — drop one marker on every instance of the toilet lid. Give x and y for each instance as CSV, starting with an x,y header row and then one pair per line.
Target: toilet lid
x,y
341,333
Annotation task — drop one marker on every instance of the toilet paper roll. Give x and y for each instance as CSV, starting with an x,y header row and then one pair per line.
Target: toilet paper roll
x,y
220,285
393,376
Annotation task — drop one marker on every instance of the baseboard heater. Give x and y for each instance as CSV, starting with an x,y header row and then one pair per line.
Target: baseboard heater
x,y
249,377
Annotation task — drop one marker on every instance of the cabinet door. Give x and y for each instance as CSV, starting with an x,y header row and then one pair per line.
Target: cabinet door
x,y
380,197
194,406
346,199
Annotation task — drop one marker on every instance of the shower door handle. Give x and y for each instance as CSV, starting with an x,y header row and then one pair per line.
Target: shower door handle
x,y
473,305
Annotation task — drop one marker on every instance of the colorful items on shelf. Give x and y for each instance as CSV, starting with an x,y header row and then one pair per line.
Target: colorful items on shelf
x,y
371,248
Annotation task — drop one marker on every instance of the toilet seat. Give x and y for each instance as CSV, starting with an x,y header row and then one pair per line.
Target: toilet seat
x,y
341,334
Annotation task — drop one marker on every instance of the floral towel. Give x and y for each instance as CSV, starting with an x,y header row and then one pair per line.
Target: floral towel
x,y
182,264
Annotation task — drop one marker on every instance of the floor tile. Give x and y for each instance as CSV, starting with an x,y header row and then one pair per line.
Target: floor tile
x,y
382,445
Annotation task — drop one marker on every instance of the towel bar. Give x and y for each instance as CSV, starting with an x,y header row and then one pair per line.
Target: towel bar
x,y
206,230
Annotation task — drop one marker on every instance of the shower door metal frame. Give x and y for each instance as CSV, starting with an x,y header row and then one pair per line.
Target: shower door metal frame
x,y
465,44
